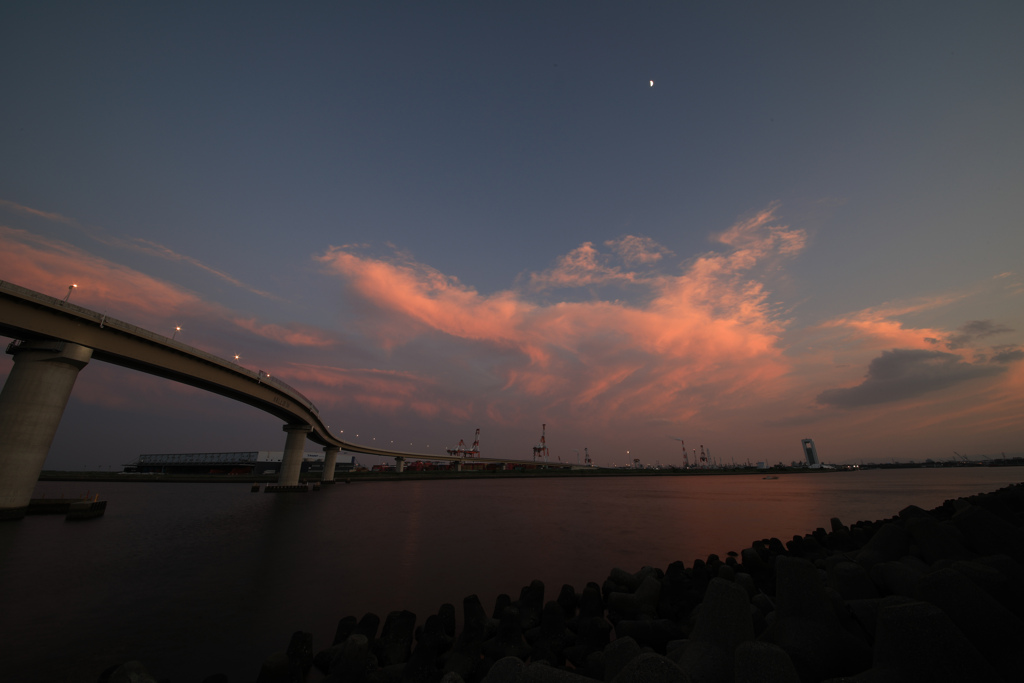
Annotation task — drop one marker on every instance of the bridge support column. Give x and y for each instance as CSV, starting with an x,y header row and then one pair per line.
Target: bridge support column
x,y
399,464
330,458
294,447
31,405
458,466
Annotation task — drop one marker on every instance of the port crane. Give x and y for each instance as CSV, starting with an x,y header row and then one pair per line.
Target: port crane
x,y
463,452
966,459
541,449
686,457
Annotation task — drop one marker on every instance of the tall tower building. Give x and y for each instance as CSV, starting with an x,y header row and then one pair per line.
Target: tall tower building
x,y
811,453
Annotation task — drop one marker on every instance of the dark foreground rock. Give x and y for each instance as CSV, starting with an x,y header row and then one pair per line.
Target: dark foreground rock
x,y
924,596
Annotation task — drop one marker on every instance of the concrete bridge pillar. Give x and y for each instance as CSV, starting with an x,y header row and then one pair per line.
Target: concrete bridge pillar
x,y
330,458
294,447
31,405
399,464
458,466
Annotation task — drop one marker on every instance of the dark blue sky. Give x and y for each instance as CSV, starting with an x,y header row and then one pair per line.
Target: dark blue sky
x,y
436,218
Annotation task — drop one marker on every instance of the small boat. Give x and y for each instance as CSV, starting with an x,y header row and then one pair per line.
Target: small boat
x,y
770,476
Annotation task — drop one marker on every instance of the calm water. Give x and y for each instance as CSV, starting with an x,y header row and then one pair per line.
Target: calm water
x,y
194,579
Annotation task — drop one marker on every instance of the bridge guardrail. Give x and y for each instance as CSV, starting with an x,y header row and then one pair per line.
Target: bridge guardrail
x,y
104,321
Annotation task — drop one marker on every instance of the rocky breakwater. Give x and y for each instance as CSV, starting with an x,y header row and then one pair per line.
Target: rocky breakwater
x,y
924,596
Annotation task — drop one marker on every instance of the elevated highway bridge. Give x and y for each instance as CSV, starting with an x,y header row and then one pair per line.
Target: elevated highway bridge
x,y
54,339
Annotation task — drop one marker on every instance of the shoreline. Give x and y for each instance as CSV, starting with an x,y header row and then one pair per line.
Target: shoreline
x,y
412,475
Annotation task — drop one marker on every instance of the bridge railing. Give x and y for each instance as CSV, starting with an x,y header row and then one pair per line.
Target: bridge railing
x,y
105,321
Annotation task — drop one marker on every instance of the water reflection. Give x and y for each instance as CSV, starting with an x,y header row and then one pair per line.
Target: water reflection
x,y
195,579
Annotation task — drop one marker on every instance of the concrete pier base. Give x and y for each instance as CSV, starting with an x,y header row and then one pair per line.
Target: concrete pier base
x,y
31,405
399,465
291,462
330,459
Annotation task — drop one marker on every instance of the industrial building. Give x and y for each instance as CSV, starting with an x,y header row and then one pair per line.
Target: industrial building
x,y
245,462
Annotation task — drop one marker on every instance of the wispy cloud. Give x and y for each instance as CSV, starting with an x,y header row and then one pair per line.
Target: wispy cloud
x,y
27,210
135,244
973,331
293,335
882,327
584,266
636,250
615,331
49,266
386,391
159,250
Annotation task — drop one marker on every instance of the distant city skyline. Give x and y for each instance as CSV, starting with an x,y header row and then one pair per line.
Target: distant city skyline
x,y
736,225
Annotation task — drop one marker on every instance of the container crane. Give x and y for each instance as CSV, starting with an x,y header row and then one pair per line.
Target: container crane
x,y
541,449
462,451
686,457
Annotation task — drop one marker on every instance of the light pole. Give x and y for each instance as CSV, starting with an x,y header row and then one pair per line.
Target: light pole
x,y
71,288
177,329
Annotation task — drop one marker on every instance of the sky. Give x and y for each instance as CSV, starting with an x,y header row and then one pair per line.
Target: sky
x,y
647,226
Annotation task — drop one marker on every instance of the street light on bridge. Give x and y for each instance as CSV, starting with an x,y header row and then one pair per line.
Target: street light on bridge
x,y
177,329
71,288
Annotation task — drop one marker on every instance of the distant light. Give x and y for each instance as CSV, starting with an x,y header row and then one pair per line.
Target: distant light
x,y
652,84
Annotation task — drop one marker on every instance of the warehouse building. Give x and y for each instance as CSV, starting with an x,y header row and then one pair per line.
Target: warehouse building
x,y
244,462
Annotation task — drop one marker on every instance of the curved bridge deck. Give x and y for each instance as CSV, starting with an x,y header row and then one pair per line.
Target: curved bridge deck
x,y
30,316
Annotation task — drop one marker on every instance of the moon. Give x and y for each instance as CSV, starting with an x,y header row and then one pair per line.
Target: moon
x,y
652,84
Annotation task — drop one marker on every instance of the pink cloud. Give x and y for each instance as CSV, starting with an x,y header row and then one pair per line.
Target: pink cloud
x,y
889,382
135,244
294,335
377,390
705,346
49,266
878,328
642,342
636,250
582,267
710,327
